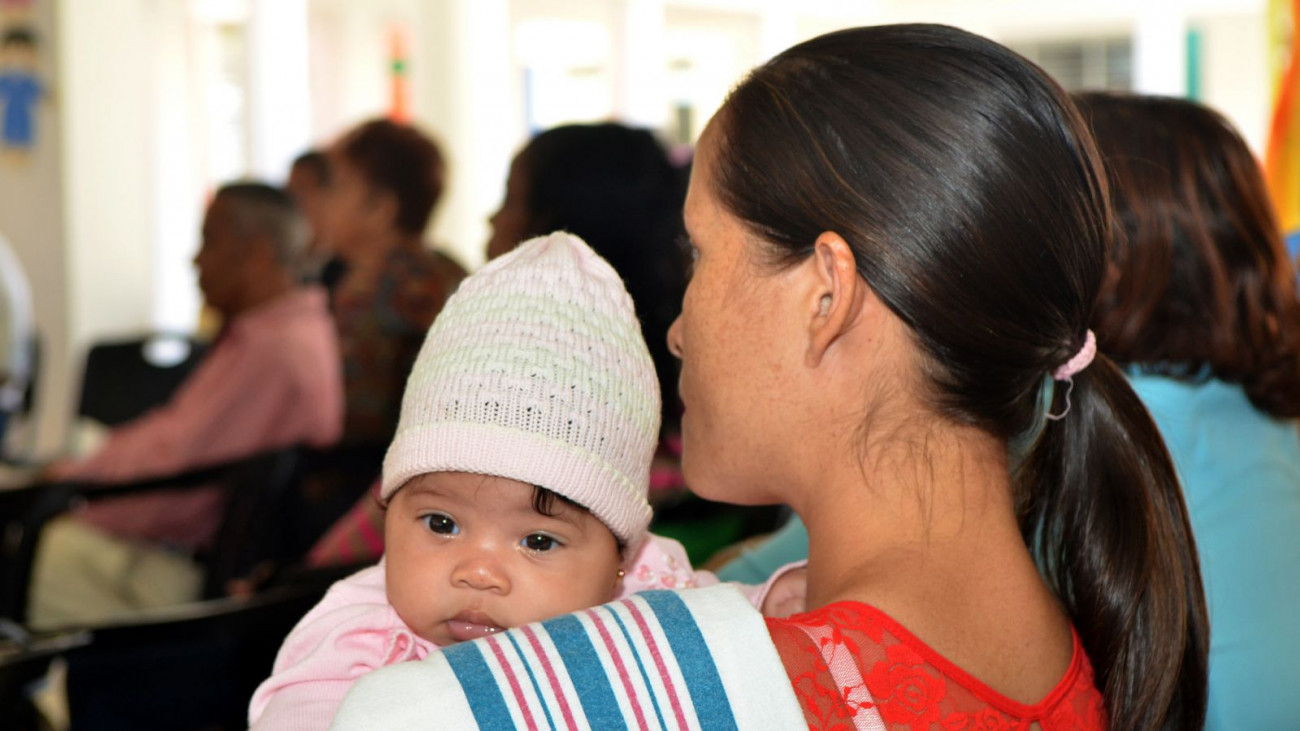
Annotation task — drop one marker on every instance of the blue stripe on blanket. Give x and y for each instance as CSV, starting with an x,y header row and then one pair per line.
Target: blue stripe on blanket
x,y
636,655
693,658
481,689
583,665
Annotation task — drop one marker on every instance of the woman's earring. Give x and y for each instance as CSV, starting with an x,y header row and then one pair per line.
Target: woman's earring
x,y
621,573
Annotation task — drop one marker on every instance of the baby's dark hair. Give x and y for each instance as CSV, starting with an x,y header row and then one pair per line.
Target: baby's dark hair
x,y
544,504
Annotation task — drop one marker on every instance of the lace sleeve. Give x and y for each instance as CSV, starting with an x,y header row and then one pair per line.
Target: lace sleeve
x,y
824,706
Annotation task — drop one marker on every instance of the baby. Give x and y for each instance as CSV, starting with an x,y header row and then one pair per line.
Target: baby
x,y
515,487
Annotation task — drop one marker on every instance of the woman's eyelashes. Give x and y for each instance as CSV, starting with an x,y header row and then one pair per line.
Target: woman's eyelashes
x,y
441,523
688,249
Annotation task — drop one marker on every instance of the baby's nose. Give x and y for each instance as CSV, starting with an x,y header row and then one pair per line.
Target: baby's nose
x,y
482,573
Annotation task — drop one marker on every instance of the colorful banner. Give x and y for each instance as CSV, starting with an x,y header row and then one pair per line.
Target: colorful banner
x,y
21,87
1282,157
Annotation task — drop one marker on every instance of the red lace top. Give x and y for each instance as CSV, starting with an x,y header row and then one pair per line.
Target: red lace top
x,y
853,667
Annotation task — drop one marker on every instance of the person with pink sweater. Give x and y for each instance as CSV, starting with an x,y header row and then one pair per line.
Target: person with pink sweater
x,y
515,488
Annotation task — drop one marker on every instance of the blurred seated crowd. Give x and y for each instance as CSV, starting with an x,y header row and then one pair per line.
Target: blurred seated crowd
x,y
327,289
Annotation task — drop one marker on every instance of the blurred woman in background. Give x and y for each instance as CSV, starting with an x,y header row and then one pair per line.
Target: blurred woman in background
x,y
1200,306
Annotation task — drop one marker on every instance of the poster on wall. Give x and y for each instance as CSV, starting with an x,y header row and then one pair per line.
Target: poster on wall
x,y
21,87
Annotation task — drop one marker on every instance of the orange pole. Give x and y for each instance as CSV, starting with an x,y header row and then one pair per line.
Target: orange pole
x,y
399,108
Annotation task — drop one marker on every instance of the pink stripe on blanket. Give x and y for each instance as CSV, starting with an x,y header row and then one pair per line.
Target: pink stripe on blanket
x,y
659,662
514,682
550,675
618,665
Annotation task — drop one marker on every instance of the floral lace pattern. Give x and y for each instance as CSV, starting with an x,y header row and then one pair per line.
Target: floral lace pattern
x,y
853,667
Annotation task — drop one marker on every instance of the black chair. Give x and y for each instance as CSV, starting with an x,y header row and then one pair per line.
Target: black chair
x,y
258,492
123,379
189,667
24,661
332,481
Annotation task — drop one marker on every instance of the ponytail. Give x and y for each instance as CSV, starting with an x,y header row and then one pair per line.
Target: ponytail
x,y
1104,513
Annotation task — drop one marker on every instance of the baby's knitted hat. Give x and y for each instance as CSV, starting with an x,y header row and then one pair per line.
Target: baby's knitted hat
x,y
536,370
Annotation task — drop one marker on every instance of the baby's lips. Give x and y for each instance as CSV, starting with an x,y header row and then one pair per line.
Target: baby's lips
x,y
471,626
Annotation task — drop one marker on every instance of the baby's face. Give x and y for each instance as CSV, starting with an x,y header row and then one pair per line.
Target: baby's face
x,y
467,555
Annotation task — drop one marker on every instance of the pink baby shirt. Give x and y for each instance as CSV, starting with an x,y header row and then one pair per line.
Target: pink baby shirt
x,y
354,630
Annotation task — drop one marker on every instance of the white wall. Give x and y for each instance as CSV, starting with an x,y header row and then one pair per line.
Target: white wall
x,y
468,94
1235,72
105,93
278,89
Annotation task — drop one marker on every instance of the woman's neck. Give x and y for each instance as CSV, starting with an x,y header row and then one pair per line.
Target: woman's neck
x,y
920,509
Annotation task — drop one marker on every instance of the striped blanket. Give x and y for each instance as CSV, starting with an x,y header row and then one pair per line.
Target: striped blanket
x,y
689,659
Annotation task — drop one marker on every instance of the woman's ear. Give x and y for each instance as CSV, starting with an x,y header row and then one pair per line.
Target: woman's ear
x,y
836,295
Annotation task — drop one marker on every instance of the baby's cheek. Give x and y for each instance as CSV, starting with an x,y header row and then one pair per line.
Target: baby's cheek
x,y
574,594
400,600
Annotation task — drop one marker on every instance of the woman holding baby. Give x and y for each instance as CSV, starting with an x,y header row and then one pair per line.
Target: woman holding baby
x,y
899,233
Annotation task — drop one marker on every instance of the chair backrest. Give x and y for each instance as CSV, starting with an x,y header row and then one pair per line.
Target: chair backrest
x,y
333,479
256,488
259,493
191,667
123,379
25,660
23,512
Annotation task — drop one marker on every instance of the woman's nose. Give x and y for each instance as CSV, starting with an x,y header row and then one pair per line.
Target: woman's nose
x,y
675,337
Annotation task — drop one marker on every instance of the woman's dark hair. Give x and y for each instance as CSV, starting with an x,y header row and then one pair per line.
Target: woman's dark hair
x,y
974,201
401,160
315,163
615,187
1201,285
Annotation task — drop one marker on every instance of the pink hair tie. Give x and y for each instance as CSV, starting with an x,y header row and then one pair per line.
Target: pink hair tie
x,y
1080,360
1066,372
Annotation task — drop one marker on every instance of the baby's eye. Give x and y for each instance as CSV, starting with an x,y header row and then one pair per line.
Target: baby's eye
x,y
539,542
442,524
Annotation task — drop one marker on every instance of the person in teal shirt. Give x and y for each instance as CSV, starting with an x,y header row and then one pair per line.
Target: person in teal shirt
x,y
1240,470
1202,308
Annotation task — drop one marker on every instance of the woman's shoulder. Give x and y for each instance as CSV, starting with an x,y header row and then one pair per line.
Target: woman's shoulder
x,y
850,659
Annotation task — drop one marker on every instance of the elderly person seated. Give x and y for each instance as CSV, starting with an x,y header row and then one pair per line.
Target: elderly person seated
x,y
271,380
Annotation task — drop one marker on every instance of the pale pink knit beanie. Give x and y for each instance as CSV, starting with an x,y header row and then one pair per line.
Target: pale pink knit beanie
x,y
536,370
